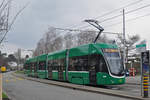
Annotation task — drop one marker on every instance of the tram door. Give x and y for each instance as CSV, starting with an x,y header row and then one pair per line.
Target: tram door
x,y
60,73
31,68
93,63
92,75
35,69
49,71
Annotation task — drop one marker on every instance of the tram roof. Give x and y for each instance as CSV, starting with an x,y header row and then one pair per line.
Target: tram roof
x,y
34,59
57,55
93,48
104,45
81,50
42,57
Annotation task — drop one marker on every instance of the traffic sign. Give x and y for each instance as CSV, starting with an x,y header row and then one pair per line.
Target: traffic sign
x,y
141,48
140,45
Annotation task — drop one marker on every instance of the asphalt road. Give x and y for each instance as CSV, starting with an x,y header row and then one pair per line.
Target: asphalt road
x,y
20,89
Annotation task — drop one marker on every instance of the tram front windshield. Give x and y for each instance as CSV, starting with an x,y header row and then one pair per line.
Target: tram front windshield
x,y
114,61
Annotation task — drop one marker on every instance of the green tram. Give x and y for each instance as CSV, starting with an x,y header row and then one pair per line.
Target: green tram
x,y
96,64
27,67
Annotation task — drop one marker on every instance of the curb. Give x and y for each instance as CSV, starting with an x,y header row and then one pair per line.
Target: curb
x,y
102,91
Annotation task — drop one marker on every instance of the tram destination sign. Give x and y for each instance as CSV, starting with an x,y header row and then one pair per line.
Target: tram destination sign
x,y
110,50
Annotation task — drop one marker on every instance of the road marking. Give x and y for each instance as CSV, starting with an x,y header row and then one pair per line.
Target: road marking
x,y
7,80
20,78
13,79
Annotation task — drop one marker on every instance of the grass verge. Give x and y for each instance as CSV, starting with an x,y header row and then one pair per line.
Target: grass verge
x,y
4,95
19,72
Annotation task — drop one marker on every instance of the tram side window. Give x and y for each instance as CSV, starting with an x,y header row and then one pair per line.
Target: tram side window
x,y
50,63
42,65
30,66
78,63
71,64
58,64
55,65
102,65
35,66
94,62
61,64
97,62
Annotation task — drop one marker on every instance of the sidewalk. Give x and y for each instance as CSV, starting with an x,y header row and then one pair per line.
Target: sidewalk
x,y
134,80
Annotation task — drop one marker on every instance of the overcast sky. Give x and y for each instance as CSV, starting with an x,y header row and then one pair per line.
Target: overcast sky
x,y
40,14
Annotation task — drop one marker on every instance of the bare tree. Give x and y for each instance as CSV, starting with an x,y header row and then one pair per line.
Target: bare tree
x,y
49,42
41,47
5,21
104,39
85,37
53,40
130,43
58,44
68,39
